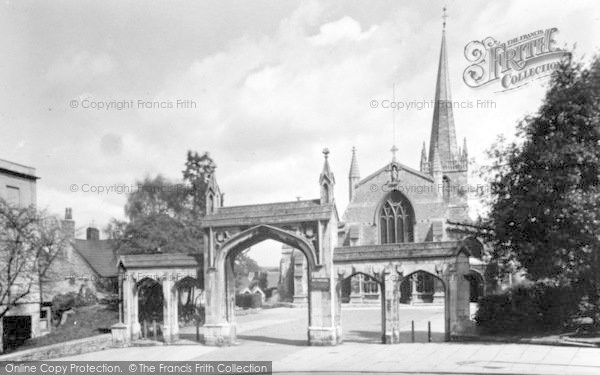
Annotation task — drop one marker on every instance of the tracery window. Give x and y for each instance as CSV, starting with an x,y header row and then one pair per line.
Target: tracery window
x,y
396,219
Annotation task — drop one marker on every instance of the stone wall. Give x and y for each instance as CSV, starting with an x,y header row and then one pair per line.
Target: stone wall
x,y
63,349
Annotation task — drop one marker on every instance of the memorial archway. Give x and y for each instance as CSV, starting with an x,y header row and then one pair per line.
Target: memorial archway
x,y
309,226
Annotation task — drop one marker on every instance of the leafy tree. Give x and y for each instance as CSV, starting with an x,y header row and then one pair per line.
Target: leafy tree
x,y
545,214
198,170
163,215
30,241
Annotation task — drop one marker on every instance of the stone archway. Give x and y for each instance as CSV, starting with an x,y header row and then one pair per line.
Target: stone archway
x,y
439,292
313,239
165,270
377,278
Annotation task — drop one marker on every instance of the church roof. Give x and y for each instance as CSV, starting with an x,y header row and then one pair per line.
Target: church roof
x,y
400,167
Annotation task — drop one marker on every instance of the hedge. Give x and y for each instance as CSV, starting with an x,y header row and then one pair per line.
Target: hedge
x,y
531,308
247,301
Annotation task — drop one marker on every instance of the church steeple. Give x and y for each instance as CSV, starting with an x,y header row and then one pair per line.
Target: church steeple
x,y
442,127
354,175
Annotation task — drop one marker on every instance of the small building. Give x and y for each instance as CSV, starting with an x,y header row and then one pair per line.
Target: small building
x,y
18,187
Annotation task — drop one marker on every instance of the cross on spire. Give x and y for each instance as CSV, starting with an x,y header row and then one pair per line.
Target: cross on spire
x,y
394,150
444,16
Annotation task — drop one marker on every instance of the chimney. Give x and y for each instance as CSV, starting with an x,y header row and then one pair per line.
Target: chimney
x,y
68,224
92,234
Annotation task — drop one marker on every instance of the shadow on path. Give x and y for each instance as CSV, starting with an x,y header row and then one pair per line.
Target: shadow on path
x,y
273,340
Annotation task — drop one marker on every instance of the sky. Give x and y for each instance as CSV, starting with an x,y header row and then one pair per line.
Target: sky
x,y
263,86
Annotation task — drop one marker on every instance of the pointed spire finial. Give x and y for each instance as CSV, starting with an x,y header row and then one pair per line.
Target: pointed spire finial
x,y
354,172
394,149
326,152
444,16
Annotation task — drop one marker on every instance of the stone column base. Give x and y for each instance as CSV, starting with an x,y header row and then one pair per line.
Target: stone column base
x,y
219,334
323,336
301,300
136,331
392,337
168,334
119,334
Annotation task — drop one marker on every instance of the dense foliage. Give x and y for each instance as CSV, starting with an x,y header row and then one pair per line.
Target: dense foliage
x,y
539,307
545,211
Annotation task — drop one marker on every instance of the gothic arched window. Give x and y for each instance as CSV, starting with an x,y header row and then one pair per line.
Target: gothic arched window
x,y
396,219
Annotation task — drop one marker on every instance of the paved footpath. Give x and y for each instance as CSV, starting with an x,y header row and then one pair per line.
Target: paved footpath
x,y
279,335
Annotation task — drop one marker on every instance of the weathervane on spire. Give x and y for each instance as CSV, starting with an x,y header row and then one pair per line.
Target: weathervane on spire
x,y
444,16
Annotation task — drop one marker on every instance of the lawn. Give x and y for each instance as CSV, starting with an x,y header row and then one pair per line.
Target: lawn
x,y
85,322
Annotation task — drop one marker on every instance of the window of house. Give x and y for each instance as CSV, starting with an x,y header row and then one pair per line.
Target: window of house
x,y
396,219
13,195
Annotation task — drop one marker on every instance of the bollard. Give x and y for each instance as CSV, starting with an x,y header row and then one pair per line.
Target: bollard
x,y
197,330
412,331
154,335
145,329
428,331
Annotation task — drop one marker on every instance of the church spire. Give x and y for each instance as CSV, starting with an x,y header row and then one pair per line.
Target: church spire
x,y
442,127
354,175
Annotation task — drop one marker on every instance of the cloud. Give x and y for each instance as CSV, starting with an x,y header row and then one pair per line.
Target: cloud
x,y
80,66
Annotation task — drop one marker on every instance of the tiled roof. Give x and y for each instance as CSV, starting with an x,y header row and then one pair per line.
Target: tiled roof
x,y
98,254
398,251
159,260
271,213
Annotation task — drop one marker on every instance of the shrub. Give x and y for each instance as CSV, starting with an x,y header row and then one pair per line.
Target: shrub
x,y
538,307
247,301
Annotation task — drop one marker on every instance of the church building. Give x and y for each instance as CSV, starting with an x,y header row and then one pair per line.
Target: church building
x,y
399,204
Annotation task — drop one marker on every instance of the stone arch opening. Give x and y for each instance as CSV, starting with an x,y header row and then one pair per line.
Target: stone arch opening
x,y
436,303
476,285
242,241
349,291
150,301
395,219
189,301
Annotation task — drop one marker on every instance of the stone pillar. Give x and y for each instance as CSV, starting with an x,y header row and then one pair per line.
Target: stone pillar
x,y
167,331
220,328
459,290
136,329
300,278
322,330
130,306
392,309
175,313
356,289
415,296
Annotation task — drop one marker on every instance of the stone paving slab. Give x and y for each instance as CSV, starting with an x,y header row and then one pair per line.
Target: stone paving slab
x,y
279,336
